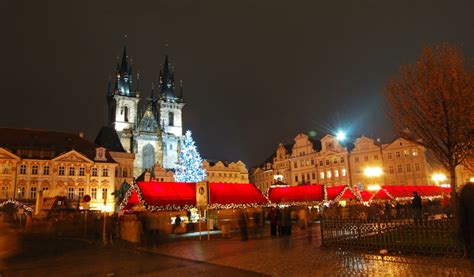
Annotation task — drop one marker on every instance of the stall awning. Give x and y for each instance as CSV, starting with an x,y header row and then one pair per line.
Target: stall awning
x,y
296,194
340,192
407,191
233,195
168,193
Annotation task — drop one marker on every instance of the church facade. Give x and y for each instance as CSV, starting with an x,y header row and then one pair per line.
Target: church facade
x,y
150,128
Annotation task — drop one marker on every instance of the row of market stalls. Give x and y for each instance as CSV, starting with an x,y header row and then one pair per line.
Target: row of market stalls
x,y
160,203
163,196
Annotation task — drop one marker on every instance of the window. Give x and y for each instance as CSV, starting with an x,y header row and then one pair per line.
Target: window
x,y
321,163
104,193
312,162
417,167
327,162
72,171
296,178
321,175
23,169
170,119
61,171
81,193
125,173
4,192
302,163
389,155
45,188
46,170
94,193
94,171
366,158
105,172
125,111
406,153
313,175
70,193
343,172
21,192
307,177
400,169
342,160
296,165
33,193
82,171
390,169
414,152
334,161
6,168
408,167
34,169
376,157
397,154
336,173
356,159
328,174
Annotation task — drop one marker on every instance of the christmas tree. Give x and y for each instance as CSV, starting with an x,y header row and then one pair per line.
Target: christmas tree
x,y
189,167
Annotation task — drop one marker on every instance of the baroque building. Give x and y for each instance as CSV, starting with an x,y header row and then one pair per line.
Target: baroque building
x,y
151,128
58,163
329,162
225,172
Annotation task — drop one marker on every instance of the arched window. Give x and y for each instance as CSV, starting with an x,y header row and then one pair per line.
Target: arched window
x,y
125,113
171,118
148,155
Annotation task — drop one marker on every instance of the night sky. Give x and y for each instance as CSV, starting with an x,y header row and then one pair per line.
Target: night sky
x,y
255,73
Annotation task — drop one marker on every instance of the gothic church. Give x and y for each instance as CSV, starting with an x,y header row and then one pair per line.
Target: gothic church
x,y
151,128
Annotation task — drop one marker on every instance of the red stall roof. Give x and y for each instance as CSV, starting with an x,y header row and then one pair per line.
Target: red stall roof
x,y
382,194
407,191
334,191
168,193
234,195
308,193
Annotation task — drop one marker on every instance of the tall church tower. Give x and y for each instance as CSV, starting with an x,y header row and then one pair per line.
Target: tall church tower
x,y
170,105
123,103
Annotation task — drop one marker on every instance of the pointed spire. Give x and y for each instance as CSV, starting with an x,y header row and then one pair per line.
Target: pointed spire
x,y
152,94
124,67
181,90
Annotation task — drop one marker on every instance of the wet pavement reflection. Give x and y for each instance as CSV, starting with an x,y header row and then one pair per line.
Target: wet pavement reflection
x,y
301,255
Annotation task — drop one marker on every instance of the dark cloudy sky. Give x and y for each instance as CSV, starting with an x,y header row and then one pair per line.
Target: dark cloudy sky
x,y
255,72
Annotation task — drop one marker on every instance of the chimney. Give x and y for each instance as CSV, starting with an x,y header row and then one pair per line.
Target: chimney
x,y
81,134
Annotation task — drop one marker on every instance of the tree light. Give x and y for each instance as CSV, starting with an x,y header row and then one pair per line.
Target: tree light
x,y
189,167
341,136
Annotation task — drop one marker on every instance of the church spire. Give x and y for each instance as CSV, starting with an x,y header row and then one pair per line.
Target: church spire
x,y
123,84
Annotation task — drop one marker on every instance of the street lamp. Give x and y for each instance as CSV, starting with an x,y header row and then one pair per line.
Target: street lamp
x,y
438,177
341,136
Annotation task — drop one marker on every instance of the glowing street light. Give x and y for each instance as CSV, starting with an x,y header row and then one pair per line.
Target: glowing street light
x,y
373,171
438,177
341,136
373,187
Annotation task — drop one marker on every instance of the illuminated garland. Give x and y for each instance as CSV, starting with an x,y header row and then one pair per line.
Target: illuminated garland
x,y
217,206
358,198
17,204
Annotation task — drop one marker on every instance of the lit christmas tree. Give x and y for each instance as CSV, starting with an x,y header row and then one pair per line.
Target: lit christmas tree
x,y
189,167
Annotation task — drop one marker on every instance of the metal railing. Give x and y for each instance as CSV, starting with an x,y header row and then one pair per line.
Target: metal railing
x,y
429,237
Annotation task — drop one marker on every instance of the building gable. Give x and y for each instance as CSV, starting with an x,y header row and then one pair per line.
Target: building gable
x,y
5,154
72,156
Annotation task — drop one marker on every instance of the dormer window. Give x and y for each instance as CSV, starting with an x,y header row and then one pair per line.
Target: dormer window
x,y
100,154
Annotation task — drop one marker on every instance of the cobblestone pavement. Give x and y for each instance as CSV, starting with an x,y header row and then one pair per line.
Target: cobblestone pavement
x,y
301,255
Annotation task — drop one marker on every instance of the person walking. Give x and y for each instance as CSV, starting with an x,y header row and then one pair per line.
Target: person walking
x,y
243,223
177,223
466,219
272,217
417,207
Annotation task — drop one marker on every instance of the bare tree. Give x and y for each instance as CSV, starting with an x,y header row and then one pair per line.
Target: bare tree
x,y
432,103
